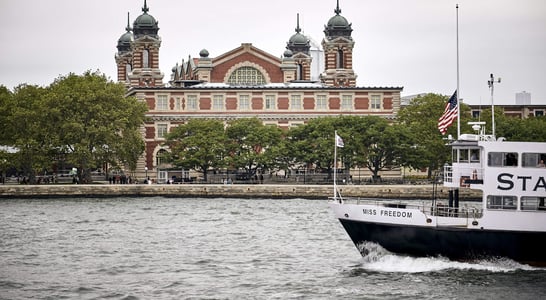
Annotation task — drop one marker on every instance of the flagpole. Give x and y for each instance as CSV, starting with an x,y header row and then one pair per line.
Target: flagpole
x,y
335,164
458,92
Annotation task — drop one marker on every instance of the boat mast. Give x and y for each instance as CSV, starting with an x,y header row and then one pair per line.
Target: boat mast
x,y
491,83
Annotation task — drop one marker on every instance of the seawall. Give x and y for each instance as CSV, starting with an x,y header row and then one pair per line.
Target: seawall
x,y
236,190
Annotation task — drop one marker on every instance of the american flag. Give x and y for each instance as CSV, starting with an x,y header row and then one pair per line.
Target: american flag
x,y
450,114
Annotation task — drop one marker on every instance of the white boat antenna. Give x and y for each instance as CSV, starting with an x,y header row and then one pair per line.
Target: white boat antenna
x,y
491,83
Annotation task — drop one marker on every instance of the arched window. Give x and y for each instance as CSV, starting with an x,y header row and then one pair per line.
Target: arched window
x,y
161,157
339,61
246,76
128,69
145,58
299,74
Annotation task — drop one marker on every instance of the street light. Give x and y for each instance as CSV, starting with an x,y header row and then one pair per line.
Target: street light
x,y
146,170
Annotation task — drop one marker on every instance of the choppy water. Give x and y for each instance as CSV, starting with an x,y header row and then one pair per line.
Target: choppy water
x,y
166,248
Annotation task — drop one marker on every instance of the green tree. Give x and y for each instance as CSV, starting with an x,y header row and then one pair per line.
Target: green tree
x,y
312,144
199,144
531,129
6,104
428,147
249,142
94,122
28,131
380,144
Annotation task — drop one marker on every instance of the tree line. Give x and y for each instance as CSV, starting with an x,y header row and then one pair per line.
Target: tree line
x,y
81,120
372,142
86,121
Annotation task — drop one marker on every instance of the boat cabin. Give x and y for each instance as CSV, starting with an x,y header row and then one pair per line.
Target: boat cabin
x,y
512,175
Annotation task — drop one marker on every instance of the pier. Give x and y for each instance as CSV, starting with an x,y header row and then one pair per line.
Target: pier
x,y
227,190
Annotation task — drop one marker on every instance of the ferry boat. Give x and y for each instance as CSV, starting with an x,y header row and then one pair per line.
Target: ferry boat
x,y
509,222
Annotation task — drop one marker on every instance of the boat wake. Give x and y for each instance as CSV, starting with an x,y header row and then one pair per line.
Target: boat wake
x,y
376,258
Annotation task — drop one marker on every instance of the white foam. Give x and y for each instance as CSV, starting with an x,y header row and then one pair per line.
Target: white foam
x,y
380,260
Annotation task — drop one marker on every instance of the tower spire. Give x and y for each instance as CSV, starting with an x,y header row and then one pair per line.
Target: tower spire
x,y
338,10
298,29
145,8
128,28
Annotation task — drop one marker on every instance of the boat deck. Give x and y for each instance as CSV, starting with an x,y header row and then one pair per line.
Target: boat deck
x,y
472,210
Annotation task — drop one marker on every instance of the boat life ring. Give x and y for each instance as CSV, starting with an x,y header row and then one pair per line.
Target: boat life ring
x,y
475,175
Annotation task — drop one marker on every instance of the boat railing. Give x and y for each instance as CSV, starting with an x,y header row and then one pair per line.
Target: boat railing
x,y
456,212
467,210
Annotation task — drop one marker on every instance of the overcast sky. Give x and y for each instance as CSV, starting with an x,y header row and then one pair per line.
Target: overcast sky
x,y
397,42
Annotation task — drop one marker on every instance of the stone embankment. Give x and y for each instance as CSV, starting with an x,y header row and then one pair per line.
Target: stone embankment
x,y
236,190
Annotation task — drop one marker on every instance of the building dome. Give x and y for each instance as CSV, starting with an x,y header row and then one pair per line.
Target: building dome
x,y
288,53
204,53
298,39
338,26
338,21
145,24
125,40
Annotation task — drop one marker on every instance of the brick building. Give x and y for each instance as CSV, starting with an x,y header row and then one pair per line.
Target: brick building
x,y
245,82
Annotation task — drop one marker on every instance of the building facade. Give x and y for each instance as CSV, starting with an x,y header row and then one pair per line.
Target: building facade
x,y
244,82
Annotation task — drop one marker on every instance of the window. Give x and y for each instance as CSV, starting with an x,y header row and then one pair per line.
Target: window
x,y
161,157
468,155
475,114
533,160
502,159
218,102
539,113
299,72
177,103
192,102
161,130
244,102
162,102
246,76
533,203
501,202
463,155
145,58
321,102
346,102
295,102
270,102
128,69
376,101
475,155
339,59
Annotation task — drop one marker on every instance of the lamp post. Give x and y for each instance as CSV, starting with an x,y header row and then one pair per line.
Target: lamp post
x,y
146,171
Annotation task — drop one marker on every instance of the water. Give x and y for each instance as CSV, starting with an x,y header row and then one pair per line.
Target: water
x,y
166,248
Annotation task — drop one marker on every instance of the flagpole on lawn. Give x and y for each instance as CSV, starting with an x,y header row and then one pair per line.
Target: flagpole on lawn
x,y
335,164
458,92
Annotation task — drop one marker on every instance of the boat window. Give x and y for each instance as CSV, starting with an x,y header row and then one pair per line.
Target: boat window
x,y
501,202
502,159
533,203
474,155
463,155
455,155
511,159
533,160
